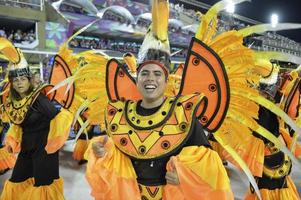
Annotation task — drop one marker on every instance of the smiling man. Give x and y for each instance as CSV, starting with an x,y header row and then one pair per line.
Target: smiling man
x,y
156,147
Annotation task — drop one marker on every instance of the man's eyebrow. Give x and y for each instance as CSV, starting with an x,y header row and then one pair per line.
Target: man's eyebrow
x,y
144,70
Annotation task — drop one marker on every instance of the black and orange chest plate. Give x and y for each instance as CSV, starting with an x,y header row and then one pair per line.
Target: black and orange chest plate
x,y
156,135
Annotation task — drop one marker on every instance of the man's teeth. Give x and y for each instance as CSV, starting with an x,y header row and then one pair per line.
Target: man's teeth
x,y
150,87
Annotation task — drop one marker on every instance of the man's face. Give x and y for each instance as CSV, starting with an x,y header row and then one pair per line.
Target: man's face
x,y
151,82
37,78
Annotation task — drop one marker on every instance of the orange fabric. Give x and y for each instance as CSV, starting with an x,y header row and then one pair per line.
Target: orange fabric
x,y
200,171
111,177
201,175
252,152
218,148
14,137
80,149
288,140
7,160
294,105
289,193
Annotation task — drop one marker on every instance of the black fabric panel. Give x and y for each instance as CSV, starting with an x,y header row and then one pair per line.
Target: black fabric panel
x,y
36,124
269,121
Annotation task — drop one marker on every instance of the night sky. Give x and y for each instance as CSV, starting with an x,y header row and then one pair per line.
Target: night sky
x,y
261,10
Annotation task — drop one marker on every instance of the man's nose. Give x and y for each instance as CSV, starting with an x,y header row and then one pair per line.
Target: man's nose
x,y
151,76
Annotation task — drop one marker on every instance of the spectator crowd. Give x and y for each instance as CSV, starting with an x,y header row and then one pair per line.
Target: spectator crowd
x,y
18,36
115,45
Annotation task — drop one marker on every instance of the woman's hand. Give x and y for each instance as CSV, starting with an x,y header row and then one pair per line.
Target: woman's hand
x,y
99,149
9,149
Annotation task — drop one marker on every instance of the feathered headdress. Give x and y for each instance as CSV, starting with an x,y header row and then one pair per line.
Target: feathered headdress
x,y
18,65
155,47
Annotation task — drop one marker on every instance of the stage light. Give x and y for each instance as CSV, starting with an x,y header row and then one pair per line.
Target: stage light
x,y
274,20
230,6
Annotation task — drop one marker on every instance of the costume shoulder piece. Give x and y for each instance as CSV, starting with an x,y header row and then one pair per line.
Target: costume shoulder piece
x,y
291,94
156,135
16,110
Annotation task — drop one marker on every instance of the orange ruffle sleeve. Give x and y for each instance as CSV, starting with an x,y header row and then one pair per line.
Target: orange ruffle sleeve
x,y
59,130
13,138
111,177
201,175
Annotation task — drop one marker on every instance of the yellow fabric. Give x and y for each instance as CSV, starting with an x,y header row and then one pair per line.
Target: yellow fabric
x,y
195,158
59,131
14,137
47,192
26,191
15,191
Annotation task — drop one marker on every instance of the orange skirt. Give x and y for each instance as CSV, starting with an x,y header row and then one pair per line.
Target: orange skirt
x,y
26,191
289,193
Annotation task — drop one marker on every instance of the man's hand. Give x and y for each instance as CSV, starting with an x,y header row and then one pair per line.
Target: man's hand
x,y
99,149
172,176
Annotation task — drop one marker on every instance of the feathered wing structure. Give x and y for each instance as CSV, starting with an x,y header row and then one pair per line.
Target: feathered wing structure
x,y
229,75
79,81
244,67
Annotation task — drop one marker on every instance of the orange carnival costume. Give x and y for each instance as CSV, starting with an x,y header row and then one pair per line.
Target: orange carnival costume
x,y
218,93
38,130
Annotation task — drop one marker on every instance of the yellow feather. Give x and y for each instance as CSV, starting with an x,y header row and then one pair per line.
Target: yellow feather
x,y
160,16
